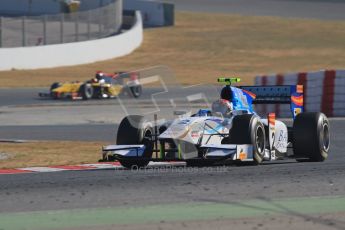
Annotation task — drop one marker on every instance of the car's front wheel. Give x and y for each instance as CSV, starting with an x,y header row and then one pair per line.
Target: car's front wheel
x,y
135,130
248,129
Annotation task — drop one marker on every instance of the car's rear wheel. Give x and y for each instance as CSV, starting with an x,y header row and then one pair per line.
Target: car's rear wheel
x,y
86,91
248,129
134,130
311,137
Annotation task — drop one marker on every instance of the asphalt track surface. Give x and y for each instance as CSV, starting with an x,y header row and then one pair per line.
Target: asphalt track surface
x,y
126,189
29,96
90,188
317,9
158,189
84,132
27,117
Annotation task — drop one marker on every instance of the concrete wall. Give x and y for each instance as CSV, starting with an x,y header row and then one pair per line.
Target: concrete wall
x,y
37,7
153,13
73,53
97,23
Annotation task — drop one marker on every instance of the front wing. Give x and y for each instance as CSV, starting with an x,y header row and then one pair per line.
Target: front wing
x,y
241,152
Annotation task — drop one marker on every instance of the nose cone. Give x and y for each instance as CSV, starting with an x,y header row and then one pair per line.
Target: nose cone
x,y
176,131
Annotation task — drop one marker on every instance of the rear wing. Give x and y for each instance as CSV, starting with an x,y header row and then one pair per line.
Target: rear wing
x,y
278,94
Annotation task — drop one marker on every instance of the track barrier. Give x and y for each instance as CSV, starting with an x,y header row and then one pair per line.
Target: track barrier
x,y
324,91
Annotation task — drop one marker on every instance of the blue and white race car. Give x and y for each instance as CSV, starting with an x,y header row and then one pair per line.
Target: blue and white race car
x,y
231,131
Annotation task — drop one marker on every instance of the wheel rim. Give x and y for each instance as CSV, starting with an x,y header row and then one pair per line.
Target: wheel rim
x,y
260,140
136,90
147,141
148,134
89,91
325,137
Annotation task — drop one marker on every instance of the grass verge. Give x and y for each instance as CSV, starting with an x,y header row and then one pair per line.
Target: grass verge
x,y
48,153
203,46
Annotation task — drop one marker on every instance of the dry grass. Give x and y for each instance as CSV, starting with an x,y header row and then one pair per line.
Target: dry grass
x,y
203,46
50,153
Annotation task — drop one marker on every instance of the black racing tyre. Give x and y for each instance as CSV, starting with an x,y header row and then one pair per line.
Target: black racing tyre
x,y
311,137
136,91
86,91
52,87
134,130
248,129
133,164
